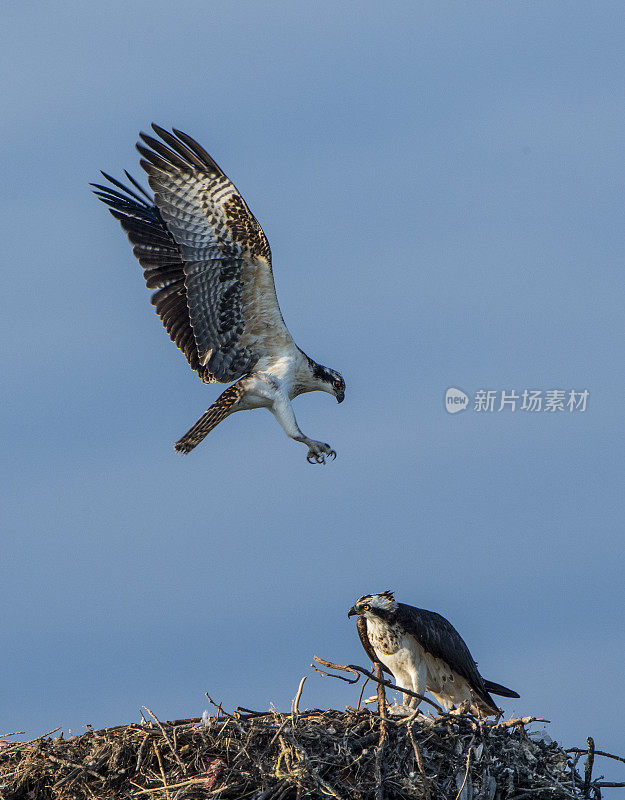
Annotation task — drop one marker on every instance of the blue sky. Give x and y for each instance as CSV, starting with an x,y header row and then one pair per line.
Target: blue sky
x,y
442,188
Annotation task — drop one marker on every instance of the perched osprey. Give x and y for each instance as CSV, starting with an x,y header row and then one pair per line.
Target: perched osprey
x,y
424,652
207,257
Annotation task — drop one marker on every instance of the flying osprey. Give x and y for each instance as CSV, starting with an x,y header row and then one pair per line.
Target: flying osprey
x,y
207,257
423,652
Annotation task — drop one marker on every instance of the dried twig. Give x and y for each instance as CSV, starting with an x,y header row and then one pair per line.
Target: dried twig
x,y
597,753
279,731
381,702
355,669
140,753
419,760
167,739
588,767
190,782
160,765
74,765
466,771
218,706
330,665
379,750
297,697
362,690
17,745
325,786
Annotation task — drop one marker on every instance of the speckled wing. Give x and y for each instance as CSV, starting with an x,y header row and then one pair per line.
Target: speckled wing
x,y
230,293
361,627
438,637
161,259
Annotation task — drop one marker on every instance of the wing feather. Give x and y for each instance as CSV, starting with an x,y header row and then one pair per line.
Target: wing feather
x,y
160,257
438,637
204,253
231,295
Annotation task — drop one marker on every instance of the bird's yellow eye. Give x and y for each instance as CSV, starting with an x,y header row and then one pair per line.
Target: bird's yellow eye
x,y
366,608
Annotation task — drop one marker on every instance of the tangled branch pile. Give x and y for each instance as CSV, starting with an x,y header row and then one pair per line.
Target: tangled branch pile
x,y
351,755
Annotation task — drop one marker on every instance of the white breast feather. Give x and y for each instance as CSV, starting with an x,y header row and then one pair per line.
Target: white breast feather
x,y
405,658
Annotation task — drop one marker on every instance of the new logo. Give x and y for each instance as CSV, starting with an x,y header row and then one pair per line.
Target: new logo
x,y
456,400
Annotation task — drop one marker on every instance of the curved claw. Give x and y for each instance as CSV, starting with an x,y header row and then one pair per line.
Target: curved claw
x,y
318,453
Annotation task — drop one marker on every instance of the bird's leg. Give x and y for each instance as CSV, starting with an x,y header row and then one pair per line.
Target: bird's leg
x,y
283,411
419,680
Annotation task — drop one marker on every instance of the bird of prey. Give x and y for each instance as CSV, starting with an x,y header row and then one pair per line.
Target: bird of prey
x,y
207,258
423,652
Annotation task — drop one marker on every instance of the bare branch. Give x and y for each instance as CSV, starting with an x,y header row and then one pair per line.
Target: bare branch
x,y
298,696
168,740
355,669
597,753
17,745
218,706
588,768
362,691
609,785
330,665
379,750
466,774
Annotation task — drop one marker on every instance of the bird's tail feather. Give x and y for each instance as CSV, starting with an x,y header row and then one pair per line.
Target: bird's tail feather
x,y
221,408
497,688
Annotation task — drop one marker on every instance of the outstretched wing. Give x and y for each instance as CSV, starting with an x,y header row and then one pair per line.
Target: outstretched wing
x,y
223,260
231,295
161,259
361,627
438,637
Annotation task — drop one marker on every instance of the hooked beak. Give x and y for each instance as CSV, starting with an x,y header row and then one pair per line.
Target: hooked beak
x,y
340,396
352,612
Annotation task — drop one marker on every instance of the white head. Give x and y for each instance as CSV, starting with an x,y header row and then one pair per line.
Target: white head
x,y
374,605
328,380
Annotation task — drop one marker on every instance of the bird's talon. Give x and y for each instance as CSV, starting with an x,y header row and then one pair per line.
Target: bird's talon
x,y
319,452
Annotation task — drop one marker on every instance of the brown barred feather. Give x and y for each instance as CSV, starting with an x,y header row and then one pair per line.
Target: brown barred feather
x,y
163,267
221,408
222,245
204,253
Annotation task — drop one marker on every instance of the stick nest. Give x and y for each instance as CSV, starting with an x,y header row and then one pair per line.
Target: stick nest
x,y
352,755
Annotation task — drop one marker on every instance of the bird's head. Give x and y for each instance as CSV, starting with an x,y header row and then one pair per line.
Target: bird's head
x,y
329,380
374,605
